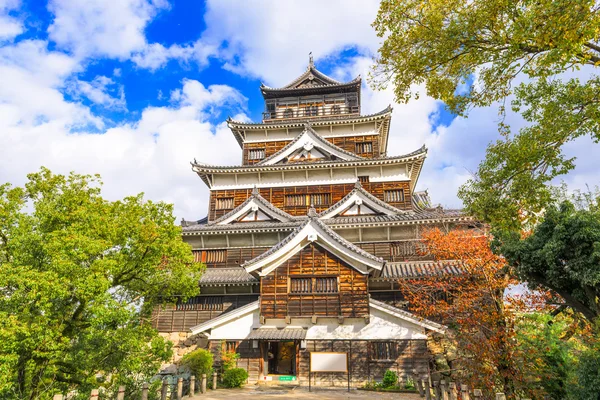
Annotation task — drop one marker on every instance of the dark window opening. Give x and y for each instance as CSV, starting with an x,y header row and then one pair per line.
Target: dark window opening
x,y
383,351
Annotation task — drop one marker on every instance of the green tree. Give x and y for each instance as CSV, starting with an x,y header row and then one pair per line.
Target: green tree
x,y
468,54
561,253
79,276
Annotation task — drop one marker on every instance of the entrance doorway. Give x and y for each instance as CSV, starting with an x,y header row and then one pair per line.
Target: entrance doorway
x,y
281,357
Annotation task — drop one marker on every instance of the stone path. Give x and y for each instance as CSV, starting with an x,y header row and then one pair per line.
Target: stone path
x,y
269,392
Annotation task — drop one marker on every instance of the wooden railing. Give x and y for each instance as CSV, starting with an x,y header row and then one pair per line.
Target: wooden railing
x,y
308,111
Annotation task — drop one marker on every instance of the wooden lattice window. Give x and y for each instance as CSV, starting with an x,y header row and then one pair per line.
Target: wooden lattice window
x,y
308,285
231,346
311,111
320,199
364,147
294,200
300,285
201,303
363,179
326,285
216,256
256,154
393,196
383,351
224,203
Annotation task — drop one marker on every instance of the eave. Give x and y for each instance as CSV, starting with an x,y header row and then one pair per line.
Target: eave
x,y
384,116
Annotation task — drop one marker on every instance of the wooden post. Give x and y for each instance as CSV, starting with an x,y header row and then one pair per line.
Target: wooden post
x,y
436,390
179,388
121,393
192,385
464,389
165,389
452,391
57,397
145,391
477,394
427,389
214,381
203,387
94,394
419,384
444,390
500,396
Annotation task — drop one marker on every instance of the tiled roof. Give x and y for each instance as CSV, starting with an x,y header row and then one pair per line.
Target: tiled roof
x,y
311,70
278,334
218,276
206,168
313,219
358,188
256,196
316,122
407,217
326,144
419,269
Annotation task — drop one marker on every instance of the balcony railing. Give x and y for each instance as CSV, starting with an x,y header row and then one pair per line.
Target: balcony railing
x,y
310,111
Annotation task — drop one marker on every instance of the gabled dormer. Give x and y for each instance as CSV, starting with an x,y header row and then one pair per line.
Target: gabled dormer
x,y
311,95
255,209
359,202
307,147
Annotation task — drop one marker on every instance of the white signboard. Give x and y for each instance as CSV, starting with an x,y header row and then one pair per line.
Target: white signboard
x,y
328,362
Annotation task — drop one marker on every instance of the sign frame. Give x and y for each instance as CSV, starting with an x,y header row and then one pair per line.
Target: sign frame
x,y
347,371
328,352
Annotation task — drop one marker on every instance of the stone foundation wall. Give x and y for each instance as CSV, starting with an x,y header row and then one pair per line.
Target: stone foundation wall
x,y
183,343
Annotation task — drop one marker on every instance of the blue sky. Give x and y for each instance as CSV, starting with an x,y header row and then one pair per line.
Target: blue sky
x,y
135,89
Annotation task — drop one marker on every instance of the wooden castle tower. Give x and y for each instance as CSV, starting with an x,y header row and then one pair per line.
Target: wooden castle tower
x,y
305,242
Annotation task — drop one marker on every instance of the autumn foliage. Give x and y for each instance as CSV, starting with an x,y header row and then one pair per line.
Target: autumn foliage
x,y
475,306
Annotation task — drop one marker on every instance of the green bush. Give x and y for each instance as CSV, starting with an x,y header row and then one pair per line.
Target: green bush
x,y
235,377
198,362
390,379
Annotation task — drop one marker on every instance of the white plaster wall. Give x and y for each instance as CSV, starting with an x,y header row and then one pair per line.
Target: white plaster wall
x,y
237,329
382,326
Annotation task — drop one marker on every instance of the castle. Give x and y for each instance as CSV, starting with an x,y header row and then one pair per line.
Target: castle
x,y
305,243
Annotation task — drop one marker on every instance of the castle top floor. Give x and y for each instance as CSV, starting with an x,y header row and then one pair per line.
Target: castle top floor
x,y
313,95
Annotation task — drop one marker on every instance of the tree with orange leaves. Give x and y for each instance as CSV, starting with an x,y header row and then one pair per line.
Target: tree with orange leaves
x,y
475,306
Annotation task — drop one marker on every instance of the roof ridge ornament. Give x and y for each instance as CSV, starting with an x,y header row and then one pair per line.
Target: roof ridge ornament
x,y
255,191
311,63
357,184
312,213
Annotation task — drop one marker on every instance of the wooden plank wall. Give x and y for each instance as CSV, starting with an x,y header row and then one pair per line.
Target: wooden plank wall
x,y
249,357
413,356
165,318
347,143
234,257
276,196
351,301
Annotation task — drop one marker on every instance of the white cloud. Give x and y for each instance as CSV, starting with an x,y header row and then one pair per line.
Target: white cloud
x,y
151,155
102,91
271,40
9,26
112,29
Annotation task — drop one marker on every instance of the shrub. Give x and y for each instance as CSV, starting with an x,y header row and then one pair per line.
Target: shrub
x,y
198,362
229,360
235,377
390,379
